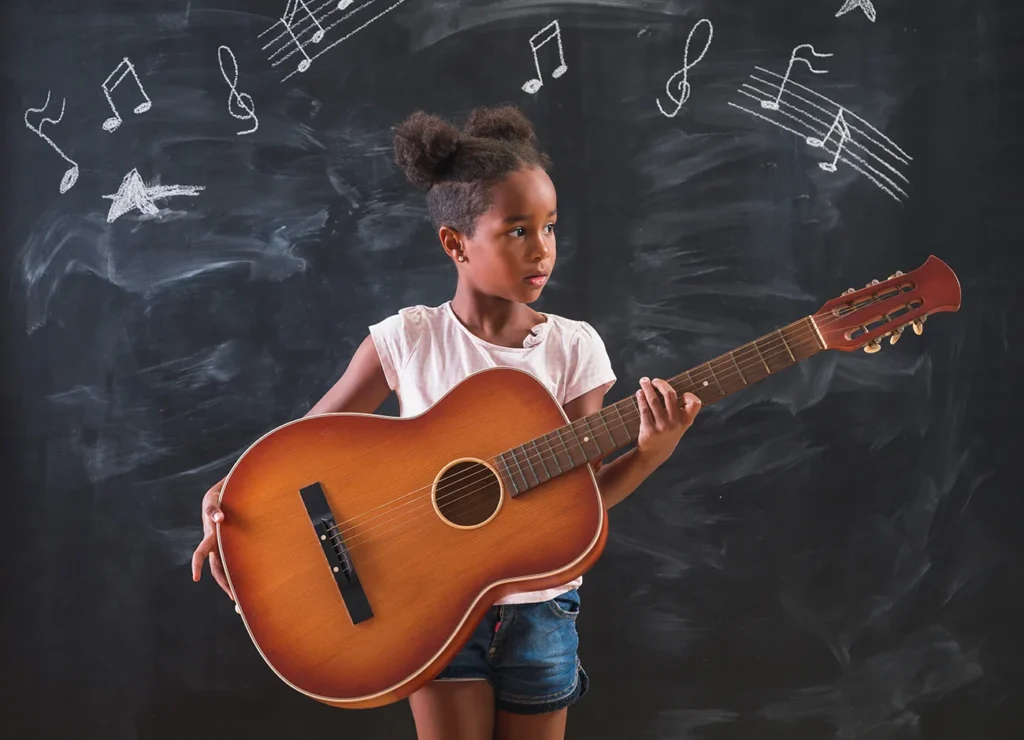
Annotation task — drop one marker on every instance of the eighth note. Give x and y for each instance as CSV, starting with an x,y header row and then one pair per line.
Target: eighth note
x,y
774,104
124,68
241,100
844,135
532,86
71,175
288,19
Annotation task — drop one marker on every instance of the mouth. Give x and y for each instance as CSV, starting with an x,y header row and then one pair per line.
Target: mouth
x,y
536,280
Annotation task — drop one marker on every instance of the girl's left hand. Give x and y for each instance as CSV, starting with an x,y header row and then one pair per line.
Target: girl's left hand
x,y
662,422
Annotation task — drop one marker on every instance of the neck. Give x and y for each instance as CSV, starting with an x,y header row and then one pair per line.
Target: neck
x,y
596,436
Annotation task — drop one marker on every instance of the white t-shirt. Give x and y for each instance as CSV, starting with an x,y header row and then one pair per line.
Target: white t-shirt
x,y
426,351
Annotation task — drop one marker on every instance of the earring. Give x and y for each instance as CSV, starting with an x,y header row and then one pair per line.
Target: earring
x,y
462,258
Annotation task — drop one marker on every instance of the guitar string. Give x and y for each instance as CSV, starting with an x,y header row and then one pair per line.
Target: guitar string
x,y
634,414
446,498
486,475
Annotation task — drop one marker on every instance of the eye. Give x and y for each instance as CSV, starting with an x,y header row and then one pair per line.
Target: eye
x,y
550,228
518,231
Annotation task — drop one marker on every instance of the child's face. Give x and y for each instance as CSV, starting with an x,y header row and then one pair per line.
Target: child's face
x,y
515,238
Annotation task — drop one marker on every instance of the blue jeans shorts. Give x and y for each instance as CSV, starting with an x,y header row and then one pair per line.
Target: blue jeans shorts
x,y
527,652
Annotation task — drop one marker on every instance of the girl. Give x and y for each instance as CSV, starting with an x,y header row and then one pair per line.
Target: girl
x,y
494,208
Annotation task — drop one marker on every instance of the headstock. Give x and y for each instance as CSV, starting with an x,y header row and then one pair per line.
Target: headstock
x,y
862,318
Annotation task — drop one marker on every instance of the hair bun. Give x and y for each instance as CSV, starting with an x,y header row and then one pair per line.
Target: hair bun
x,y
424,147
505,122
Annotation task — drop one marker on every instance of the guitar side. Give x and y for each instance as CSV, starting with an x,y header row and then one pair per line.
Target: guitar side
x,y
426,580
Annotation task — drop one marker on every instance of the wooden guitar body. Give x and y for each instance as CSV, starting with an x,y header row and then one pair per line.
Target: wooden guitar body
x,y
433,544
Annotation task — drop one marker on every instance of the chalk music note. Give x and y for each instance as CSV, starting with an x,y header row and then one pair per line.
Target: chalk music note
x,y
240,100
124,69
774,104
865,5
532,86
844,134
684,87
71,175
288,20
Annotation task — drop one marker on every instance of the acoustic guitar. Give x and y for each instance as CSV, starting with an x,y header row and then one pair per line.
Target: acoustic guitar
x,y
363,550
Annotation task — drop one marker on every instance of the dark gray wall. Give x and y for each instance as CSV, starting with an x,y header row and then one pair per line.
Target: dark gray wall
x,y
831,554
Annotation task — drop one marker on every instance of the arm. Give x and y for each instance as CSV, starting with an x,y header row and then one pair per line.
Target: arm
x,y
624,474
362,388
662,423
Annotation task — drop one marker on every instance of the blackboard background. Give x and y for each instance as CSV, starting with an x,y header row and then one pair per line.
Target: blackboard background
x,y
831,554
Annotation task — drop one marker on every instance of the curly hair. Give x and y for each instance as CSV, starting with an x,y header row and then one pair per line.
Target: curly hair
x,y
457,168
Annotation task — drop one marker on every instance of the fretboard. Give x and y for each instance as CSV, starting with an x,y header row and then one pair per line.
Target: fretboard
x,y
594,437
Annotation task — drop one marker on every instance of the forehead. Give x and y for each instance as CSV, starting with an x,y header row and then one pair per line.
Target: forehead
x,y
527,192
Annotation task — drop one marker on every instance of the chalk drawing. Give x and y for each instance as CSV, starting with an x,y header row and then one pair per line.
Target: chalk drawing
x,y
71,175
134,195
552,31
123,69
865,5
311,28
236,99
774,104
862,147
684,85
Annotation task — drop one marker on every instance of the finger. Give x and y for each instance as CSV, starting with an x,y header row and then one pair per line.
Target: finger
x,y
644,407
217,568
214,512
200,555
691,407
653,400
670,399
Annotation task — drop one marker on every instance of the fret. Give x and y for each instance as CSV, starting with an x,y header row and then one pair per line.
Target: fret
x,y
818,340
715,378
623,422
582,443
761,356
511,479
604,423
526,483
733,357
554,453
539,455
595,437
786,345
526,461
775,355
567,448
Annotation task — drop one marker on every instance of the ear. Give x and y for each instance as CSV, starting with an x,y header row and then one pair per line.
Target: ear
x,y
452,241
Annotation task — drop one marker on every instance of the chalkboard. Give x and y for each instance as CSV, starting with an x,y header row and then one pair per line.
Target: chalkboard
x,y
202,216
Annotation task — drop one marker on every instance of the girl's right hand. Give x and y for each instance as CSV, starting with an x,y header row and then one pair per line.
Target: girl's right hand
x,y
212,515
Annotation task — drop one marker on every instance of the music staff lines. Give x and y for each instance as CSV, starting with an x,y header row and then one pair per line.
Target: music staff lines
x,y
842,154
318,26
846,115
899,153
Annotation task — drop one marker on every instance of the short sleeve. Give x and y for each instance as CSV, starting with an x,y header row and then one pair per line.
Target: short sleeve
x,y
589,365
395,339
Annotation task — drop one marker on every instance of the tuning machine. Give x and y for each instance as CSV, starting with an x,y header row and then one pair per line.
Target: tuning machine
x,y
898,273
872,347
918,325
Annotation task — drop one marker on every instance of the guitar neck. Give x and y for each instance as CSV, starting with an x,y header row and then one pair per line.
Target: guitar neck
x,y
616,426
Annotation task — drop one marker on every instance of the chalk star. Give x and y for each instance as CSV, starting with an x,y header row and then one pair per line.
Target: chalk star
x,y
865,5
134,194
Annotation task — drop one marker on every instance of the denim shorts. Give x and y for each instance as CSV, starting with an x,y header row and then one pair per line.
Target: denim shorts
x,y
528,654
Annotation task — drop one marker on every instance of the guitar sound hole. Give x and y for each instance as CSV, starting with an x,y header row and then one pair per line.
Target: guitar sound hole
x,y
467,494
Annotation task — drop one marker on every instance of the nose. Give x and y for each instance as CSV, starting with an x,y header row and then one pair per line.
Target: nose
x,y
540,248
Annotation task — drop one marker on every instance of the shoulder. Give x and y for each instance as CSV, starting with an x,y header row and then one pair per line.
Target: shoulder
x,y
411,319
576,334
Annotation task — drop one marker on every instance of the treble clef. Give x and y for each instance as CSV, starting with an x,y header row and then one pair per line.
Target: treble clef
x,y
684,86
239,100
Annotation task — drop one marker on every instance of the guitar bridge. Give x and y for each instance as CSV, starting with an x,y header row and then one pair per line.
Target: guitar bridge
x,y
336,552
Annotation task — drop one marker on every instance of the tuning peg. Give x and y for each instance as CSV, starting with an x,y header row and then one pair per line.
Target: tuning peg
x,y
849,290
898,273
918,325
894,335
873,282
872,347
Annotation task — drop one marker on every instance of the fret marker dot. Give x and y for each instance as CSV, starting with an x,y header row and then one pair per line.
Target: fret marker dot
x,y
705,383
586,439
